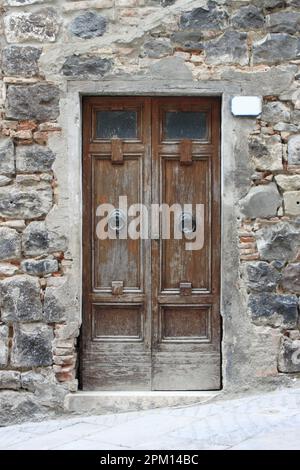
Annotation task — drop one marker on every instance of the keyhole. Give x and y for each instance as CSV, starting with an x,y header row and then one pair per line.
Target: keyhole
x,y
117,222
188,223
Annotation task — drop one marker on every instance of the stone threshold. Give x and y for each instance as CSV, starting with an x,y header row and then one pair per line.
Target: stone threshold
x,y
120,402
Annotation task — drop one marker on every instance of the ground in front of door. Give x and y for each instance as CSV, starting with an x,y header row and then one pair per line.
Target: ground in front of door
x,y
266,421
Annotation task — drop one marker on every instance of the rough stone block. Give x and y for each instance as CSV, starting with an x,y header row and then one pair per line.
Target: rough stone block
x,y
87,4
38,240
289,354
86,66
10,380
5,180
261,201
89,25
280,241
270,4
60,301
274,310
248,18
230,48
188,40
42,26
32,345
16,407
275,48
65,333
164,69
291,278
3,345
39,101
7,158
284,22
211,18
34,158
292,202
156,47
261,276
25,203
266,152
288,182
45,387
8,269
22,3
39,267
10,244
275,111
294,150
21,60
20,299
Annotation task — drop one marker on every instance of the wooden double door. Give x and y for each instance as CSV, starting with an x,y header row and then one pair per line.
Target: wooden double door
x,y
151,318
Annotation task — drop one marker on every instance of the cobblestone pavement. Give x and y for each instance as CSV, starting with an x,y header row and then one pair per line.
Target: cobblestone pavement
x,y
265,421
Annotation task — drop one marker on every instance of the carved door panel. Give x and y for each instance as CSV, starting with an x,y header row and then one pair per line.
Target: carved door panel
x,y
186,282
150,306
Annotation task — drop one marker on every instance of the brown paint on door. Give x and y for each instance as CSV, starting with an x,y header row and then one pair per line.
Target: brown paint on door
x,y
151,308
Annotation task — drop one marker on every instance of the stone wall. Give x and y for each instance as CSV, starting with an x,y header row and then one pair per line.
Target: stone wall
x,y
224,47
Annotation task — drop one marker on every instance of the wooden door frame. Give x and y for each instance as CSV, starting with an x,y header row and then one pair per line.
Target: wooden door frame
x,y
213,103
69,210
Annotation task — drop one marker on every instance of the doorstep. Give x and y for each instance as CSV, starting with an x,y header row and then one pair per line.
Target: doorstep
x,y
117,402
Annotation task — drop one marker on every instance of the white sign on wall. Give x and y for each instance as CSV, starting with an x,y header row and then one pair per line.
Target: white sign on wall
x,y
246,105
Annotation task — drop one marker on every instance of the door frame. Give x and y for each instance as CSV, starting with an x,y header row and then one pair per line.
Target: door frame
x,y
70,181
159,299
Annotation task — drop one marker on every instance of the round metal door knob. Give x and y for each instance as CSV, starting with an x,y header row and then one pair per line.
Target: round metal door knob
x,y
117,220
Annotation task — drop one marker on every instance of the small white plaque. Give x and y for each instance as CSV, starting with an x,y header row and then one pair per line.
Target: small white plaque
x,y
246,105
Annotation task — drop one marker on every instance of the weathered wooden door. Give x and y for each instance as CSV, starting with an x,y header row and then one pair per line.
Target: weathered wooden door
x,y
151,318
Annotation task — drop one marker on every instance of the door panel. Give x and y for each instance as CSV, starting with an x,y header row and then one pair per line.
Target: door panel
x,y
116,333
116,259
186,185
186,169
150,307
